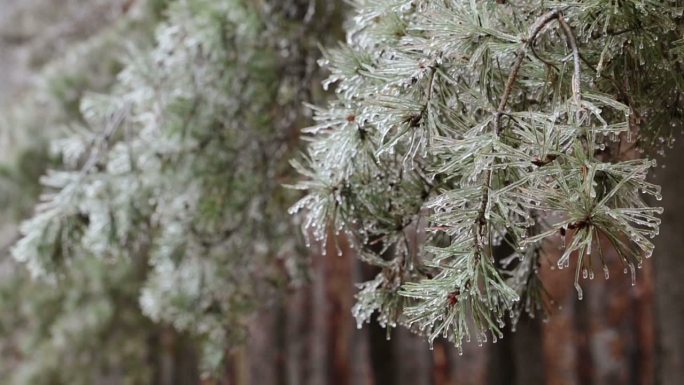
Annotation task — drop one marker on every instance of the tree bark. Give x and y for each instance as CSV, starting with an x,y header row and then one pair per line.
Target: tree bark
x,y
669,270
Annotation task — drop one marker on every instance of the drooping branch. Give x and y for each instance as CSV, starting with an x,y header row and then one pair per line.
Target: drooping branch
x,y
508,89
478,266
521,54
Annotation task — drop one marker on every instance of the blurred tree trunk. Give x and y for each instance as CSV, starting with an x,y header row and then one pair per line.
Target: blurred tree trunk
x,y
608,337
173,359
669,270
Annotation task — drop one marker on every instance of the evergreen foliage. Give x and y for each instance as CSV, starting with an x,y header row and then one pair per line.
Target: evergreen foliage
x,y
165,193
88,326
465,135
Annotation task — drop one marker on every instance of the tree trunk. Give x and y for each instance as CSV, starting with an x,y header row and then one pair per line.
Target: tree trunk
x,y
669,270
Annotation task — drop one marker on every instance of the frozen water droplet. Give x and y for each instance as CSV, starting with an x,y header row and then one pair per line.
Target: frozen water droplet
x,y
579,291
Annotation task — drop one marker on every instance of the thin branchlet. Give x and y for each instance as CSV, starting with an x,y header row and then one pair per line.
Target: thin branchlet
x,y
508,89
577,75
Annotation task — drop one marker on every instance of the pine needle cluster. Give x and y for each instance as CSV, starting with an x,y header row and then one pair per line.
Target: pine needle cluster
x,y
466,135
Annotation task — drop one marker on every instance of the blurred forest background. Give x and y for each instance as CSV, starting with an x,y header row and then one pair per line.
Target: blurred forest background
x,y
51,52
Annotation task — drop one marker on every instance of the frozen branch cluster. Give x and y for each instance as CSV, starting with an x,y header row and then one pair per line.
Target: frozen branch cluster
x,y
176,172
464,135
88,325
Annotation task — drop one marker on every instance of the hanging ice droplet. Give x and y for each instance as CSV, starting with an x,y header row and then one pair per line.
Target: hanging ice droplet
x,y
633,273
579,291
562,246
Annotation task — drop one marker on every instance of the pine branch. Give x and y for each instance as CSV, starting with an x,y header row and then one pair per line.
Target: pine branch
x,y
517,183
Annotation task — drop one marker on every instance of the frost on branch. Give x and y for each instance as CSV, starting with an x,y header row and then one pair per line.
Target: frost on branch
x,y
465,134
177,171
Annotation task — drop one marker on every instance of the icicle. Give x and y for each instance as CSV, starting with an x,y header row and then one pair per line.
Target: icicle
x,y
579,291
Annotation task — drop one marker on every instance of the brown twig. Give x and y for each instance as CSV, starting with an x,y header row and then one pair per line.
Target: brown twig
x,y
534,31
508,88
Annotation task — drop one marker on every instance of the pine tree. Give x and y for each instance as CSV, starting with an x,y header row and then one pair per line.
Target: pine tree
x,y
87,326
165,195
465,136
462,139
